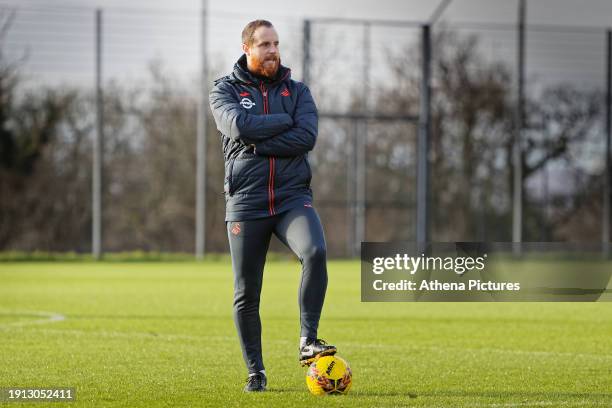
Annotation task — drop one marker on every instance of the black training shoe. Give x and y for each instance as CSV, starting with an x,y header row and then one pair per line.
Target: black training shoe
x,y
314,349
256,383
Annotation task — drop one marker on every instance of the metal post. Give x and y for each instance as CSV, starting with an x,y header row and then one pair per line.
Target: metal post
x,y
545,201
306,53
351,187
98,146
608,176
360,187
201,144
422,223
361,142
517,154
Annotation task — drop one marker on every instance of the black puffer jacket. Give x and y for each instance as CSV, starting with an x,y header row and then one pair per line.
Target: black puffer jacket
x,y
268,128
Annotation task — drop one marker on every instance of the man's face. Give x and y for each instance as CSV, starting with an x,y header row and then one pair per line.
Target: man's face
x,y
263,56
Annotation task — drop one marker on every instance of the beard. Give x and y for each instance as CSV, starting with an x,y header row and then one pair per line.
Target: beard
x,y
267,67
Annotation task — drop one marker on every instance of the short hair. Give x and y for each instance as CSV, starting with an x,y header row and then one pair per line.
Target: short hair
x,y
249,30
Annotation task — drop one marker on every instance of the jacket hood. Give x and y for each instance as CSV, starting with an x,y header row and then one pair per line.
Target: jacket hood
x,y
242,73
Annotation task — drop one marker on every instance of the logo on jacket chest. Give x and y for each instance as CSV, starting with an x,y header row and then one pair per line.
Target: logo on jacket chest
x,y
246,103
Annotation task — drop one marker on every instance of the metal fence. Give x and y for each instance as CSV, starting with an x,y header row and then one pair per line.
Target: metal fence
x,y
478,111
418,121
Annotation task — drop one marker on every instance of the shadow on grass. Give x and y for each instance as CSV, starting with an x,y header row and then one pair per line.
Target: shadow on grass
x,y
287,390
485,394
224,317
146,317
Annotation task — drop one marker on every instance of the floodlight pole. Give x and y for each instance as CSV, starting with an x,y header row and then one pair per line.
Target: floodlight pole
x,y
98,147
360,144
608,175
200,243
423,144
306,52
519,119
351,189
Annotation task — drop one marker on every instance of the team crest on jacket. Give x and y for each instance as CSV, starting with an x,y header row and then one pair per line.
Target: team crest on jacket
x,y
246,103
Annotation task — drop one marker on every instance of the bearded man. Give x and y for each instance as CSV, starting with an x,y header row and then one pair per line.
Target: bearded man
x,y
268,124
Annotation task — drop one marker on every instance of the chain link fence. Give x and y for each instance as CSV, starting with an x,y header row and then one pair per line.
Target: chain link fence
x,y
366,79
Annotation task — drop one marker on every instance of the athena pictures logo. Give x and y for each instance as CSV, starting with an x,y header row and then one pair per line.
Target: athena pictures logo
x,y
483,272
246,103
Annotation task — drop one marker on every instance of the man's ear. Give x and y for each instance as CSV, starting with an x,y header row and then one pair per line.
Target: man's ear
x,y
246,49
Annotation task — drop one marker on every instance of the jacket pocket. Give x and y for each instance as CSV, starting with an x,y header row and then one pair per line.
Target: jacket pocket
x,y
230,176
308,171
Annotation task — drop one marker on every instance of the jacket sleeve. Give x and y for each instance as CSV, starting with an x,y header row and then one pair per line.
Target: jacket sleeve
x,y
237,124
302,136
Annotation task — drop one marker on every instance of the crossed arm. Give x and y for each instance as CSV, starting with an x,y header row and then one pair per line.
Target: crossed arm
x,y
239,125
277,134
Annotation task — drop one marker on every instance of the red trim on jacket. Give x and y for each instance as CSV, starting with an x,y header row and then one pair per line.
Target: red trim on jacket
x,y
271,160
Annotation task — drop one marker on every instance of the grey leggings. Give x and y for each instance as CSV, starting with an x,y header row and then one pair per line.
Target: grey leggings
x,y
299,229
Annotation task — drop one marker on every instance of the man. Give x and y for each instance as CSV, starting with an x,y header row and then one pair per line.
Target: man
x,y
269,124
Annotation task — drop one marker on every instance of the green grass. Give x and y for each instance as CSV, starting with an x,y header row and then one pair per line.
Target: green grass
x,y
161,334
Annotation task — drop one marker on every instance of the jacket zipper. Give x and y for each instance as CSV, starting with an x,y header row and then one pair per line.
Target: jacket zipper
x,y
271,159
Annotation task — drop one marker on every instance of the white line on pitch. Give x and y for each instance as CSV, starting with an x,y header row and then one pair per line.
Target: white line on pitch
x,y
49,317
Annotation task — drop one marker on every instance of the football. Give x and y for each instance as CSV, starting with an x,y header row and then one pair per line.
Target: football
x,y
329,375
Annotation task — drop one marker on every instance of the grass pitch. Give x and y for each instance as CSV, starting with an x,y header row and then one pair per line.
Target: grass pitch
x,y
161,334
